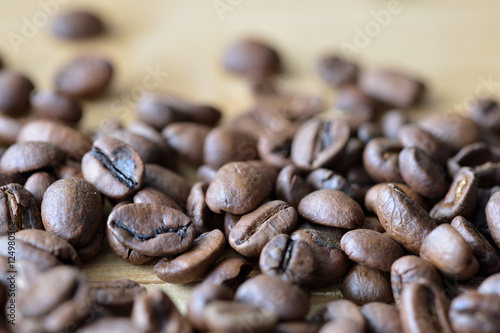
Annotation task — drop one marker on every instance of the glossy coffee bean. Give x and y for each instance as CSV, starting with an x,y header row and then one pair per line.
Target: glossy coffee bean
x,y
38,183
291,186
30,156
329,180
363,284
452,129
274,147
125,253
230,272
381,160
202,295
15,92
411,135
474,312
372,194
168,182
187,140
196,208
490,285
146,149
493,217
336,71
252,59
225,145
48,104
151,195
77,25
18,210
381,317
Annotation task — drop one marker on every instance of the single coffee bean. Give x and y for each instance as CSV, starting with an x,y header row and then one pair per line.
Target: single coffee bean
x,y
152,230
37,184
72,208
205,173
202,295
18,210
124,253
225,145
15,92
55,106
371,248
230,272
196,208
493,217
30,156
336,71
381,318
474,312
372,194
194,263
392,122
9,129
381,160
281,298
350,97
411,135
404,220
85,76
77,25
409,269
331,208
187,140
116,296
474,155
460,200
319,143
453,130
491,285
330,180
151,195
268,169
291,186
290,260
449,252
485,113
483,251
393,88
92,248
363,284
237,188
114,167
168,182
274,147
146,149
252,59
341,309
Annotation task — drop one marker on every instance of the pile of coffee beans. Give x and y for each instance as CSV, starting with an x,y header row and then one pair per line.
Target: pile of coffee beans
x,y
402,216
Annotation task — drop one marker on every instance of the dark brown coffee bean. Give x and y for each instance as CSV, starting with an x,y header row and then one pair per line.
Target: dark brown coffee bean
x,y
372,223
116,296
460,200
296,327
194,263
372,194
252,59
15,92
187,140
68,139
350,97
230,221
274,147
237,188
150,229
485,113
146,149
422,174
18,210
474,312
413,136
329,180
282,298
371,248
493,217
363,284
392,122
24,252
150,195
255,229
224,145
85,76
394,88
202,295
453,130
154,311
37,184
490,285
319,143
230,272
30,156
168,182
110,325
205,173
478,156
196,208
291,186
368,131
72,209
483,251
336,71
353,157
404,220
91,249
380,160
55,106
9,129
126,254
290,260
338,310
331,208
77,25
381,318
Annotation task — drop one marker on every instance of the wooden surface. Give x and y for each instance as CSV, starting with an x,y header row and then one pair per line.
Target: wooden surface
x,y
452,45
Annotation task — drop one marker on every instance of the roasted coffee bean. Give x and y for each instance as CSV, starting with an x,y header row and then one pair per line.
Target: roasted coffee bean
x,y
319,143
363,284
291,186
371,248
478,218
116,296
473,155
474,312
18,210
350,97
454,288
77,24
381,318
230,221
168,182
146,149
55,106
237,188
225,145
9,129
290,260
453,130
483,251
150,229
37,184
151,195
404,220
341,326
282,298
393,88
68,139
460,200
326,179
341,309
372,223
30,156
410,269
380,159
154,311
114,167
368,131
25,252
230,272
275,147
296,327
252,232
194,263
372,194
205,173
490,285
331,208
392,122
336,71
485,113
422,174
110,325
449,252
202,295
196,208
413,136
353,157
493,217
15,92
187,140
124,253
268,169
72,208
424,308
85,76
70,169
252,59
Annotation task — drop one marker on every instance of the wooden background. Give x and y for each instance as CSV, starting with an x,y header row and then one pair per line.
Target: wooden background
x,y
452,45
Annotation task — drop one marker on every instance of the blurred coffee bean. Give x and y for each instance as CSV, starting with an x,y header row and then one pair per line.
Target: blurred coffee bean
x,y
15,90
336,71
187,140
363,285
52,105
77,24
30,156
252,59
381,160
224,145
